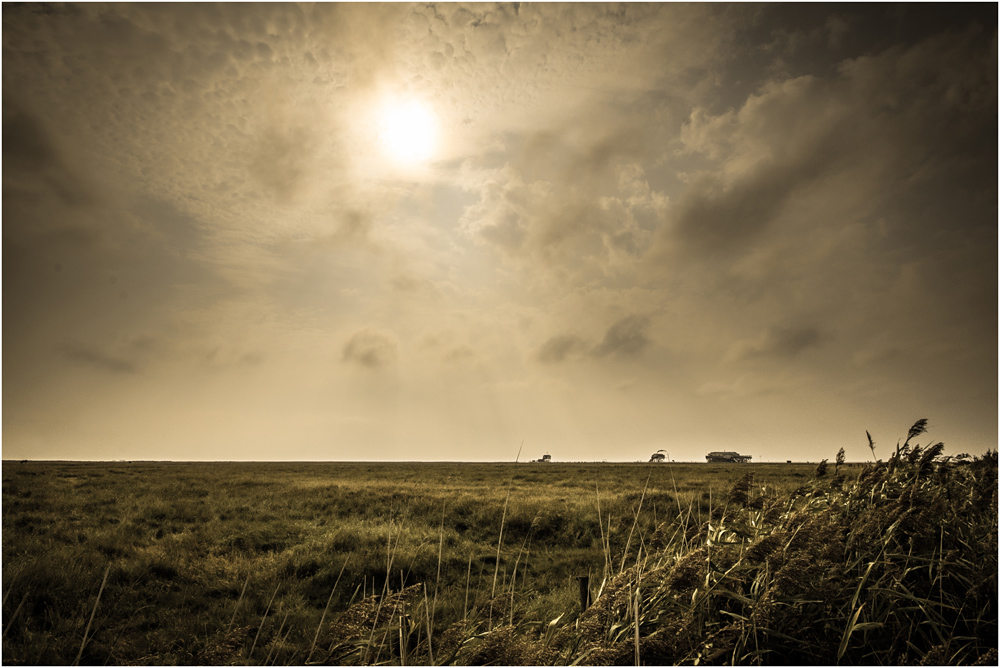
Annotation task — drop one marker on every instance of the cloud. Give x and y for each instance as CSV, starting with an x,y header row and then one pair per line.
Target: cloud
x,y
785,342
567,230
410,283
34,166
715,217
727,167
901,124
459,354
559,348
503,215
370,349
750,385
528,66
834,195
625,338
780,142
25,144
282,160
99,360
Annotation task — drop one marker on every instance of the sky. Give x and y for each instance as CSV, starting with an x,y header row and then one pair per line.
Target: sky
x,y
487,232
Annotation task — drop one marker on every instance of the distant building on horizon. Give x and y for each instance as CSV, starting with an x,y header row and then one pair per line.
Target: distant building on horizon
x,y
727,458
545,458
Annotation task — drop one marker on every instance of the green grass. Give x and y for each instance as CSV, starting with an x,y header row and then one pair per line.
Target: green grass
x,y
253,563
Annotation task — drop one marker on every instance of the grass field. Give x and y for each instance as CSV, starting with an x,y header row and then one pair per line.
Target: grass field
x,y
433,563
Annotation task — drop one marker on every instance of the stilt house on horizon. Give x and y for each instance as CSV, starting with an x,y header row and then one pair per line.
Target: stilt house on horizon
x,y
727,458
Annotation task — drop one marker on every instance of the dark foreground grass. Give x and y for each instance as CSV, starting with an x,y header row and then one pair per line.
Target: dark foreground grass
x,y
341,563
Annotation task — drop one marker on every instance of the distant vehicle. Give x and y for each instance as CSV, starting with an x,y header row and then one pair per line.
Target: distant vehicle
x,y
545,458
727,458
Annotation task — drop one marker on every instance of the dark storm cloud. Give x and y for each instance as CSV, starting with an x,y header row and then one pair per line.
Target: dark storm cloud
x,y
25,145
786,139
29,154
625,338
559,348
714,217
887,151
788,40
370,349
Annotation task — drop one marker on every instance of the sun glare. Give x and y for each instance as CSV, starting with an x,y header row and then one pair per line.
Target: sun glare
x,y
407,132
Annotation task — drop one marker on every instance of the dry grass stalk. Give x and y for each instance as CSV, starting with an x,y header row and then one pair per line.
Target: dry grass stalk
x,y
635,522
319,627
93,612
10,622
430,649
503,519
275,642
236,608
263,619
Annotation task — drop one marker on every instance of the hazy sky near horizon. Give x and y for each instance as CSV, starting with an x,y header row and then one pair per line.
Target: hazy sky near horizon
x,y
363,232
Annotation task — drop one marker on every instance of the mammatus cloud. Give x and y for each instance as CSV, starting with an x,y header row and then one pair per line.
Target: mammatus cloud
x,y
370,349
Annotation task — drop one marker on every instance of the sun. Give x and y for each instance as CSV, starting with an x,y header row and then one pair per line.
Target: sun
x,y
407,131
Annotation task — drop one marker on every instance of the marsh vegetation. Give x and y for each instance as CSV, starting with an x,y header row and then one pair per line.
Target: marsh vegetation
x,y
441,563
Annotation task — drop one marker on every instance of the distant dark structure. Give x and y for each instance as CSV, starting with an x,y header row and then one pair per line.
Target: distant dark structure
x,y
727,458
657,458
545,458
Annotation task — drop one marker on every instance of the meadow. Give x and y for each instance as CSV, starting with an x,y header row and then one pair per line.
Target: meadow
x,y
475,564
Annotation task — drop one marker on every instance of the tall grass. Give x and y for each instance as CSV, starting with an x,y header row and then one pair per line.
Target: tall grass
x,y
898,567
892,563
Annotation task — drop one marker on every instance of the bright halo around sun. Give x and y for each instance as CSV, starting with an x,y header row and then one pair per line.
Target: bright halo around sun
x,y
407,132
